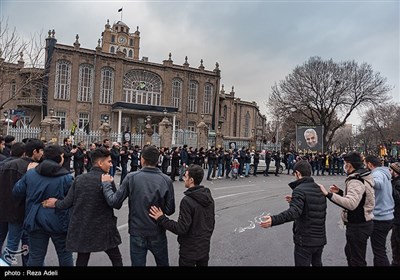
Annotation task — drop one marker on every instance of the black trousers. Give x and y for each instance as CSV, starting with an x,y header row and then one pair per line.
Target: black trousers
x,y
187,262
356,242
378,242
306,256
114,254
395,242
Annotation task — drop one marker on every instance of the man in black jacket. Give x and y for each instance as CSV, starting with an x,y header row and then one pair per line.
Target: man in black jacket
x,y
307,208
196,220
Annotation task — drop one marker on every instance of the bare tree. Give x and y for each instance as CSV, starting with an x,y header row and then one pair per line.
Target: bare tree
x,y
327,93
383,122
344,139
22,61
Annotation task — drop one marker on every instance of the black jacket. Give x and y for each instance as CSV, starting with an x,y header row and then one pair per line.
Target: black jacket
x,y
307,209
12,210
195,224
396,196
93,226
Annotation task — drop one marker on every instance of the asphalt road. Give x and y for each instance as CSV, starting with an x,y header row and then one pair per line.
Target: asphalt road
x,y
237,239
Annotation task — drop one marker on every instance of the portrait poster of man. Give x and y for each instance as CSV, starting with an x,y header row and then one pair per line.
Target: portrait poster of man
x,y
309,139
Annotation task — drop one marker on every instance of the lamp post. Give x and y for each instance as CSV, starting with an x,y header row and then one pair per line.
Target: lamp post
x,y
105,118
5,113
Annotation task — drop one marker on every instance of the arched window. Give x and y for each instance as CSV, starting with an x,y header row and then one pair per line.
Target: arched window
x,y
247,125
208,98
63,80
112,49
130,54
176,93
142,87
192,98
107,85
85,86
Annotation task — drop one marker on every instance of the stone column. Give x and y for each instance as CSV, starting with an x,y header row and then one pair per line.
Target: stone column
x,y
219,140
49,130
105,130
148,131
202,134
165,129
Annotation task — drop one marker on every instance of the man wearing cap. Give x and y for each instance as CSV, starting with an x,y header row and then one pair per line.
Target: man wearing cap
x,y
358,202
395,238
383,210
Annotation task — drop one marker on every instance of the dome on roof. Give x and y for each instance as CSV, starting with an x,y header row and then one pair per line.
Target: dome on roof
x,y
121,23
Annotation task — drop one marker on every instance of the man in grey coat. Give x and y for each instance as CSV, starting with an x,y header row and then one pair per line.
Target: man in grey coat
x,y
146,187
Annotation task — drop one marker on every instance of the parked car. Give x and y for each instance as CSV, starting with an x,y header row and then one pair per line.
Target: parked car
x,y
261,165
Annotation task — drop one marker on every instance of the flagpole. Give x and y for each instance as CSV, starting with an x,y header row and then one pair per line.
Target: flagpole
x,y
122,11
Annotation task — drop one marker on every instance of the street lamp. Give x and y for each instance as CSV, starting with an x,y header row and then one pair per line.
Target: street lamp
x,y
105,118
5,113
51,112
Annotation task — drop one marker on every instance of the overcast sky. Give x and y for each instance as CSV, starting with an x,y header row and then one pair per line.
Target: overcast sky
x,y
256,43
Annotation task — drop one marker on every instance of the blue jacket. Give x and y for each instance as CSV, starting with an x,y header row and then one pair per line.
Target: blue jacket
x,y
384,202
48,179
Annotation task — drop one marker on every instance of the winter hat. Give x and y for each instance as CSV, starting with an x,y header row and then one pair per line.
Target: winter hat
x,y
395,166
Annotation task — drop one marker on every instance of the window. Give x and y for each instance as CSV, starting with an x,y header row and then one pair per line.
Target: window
x,y
24,121
208,96
126,123
176,93
192,100
142,87
13,89
130,54
61,117
112,38
177,125
85,87
192,126
225,112
63,80
131,42
112,49
83,121
106,85
247,125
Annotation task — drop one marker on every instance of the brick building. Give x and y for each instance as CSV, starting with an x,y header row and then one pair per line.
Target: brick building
x,y
112,83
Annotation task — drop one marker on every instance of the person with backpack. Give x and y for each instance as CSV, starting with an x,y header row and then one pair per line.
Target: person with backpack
x,y
358,202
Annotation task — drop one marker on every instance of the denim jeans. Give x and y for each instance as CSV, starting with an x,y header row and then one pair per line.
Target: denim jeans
x,y
14,237
38,243
3,233
157,245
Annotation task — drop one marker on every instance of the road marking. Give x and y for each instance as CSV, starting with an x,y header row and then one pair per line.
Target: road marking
x,y
233,187
229,195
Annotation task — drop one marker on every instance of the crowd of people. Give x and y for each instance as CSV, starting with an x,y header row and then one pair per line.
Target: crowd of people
x,y
67,194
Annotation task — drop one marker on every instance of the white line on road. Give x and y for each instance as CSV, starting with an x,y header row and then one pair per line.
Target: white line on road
x,y
233,187
229,195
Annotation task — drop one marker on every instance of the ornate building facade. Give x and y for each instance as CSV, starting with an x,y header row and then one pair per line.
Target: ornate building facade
x,y
86,87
